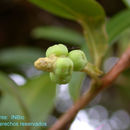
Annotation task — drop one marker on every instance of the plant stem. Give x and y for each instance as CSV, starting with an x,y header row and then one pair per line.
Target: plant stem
x,y
93,71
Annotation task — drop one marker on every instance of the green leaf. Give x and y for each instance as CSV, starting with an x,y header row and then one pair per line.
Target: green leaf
x,y
117,25
75,85
127,3
18,56
11,102
39,95
6,84
9,89
124,41
86,12
59,34
73,9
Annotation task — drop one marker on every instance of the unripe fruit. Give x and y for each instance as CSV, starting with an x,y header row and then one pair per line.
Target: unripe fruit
x,y
57,50
62,70
63,67
79,59
58,79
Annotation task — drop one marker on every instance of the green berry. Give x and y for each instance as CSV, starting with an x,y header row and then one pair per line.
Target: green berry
x,y
63,67
58,79
79,59
62,72
57,50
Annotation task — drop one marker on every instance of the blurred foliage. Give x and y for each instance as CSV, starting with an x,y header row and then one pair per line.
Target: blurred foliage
x,y
75,87
117,25
10,94
73,9
127,3
11,101
34,100
58,34
25,29
19,56
124,41
38,94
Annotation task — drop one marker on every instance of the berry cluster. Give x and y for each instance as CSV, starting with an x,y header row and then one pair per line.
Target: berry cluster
x,y
65,63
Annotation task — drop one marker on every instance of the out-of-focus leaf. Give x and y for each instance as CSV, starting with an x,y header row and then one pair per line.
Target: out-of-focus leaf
x,y
123,91
118,24
10,102
39,95
127,3
123,85
19,56
127,73
9,89
75,84
6,84
73,9
124,41
59,34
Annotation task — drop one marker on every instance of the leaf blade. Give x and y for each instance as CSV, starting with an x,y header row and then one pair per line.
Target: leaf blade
x,y
39,95
127,3
117,25
59,34
75,85
72,9
18,56
11,101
